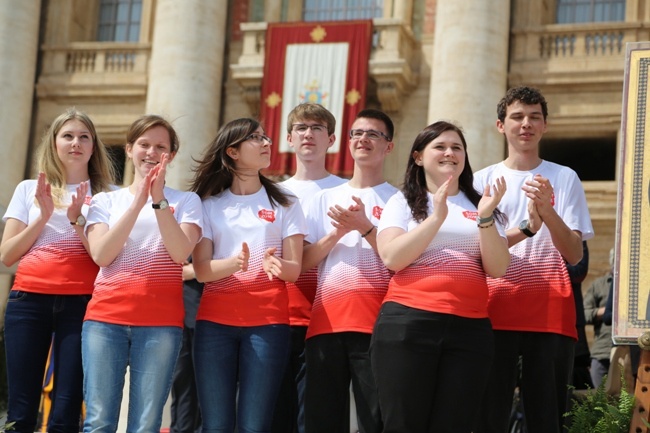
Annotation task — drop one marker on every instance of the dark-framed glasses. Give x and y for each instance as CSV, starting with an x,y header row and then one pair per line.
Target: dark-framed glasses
x,y
301,128
259,138
372,134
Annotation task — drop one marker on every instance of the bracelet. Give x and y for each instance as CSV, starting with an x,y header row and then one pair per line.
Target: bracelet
x,y
368,232
480,220
487,226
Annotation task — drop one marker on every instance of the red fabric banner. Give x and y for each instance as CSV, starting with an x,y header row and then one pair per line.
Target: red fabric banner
x,y
358,34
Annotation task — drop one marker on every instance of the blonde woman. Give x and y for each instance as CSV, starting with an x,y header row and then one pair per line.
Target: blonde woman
x,y
54,279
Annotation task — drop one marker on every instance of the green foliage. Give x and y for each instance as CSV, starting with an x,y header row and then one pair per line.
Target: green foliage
x,y
599,412
7,427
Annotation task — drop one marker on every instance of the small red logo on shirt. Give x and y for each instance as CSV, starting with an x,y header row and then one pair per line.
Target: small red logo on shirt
x,y
470,214
267,215
376,212
87,200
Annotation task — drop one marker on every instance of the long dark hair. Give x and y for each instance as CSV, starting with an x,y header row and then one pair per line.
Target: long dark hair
x,y
216,170
415,184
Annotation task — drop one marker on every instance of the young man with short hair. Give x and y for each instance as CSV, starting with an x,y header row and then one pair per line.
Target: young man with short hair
x,y
310,132
532,308
352,282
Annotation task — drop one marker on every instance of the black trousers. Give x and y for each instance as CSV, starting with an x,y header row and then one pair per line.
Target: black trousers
x,y
289,416
429,368
185,412
333,360
546,371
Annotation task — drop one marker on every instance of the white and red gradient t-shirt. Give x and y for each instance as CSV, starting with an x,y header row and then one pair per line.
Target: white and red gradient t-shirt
x,y
302,292
535,293
57,263
352,280
448,277
143,286
247,298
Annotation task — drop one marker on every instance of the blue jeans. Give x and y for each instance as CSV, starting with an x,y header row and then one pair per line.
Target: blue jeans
x,y
254,356
149,351
30,321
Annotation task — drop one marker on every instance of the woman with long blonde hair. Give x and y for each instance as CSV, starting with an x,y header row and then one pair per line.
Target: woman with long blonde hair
x,y
54,279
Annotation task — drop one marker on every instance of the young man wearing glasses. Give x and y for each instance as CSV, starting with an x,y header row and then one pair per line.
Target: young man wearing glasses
x,y
531,307
310,132
352,282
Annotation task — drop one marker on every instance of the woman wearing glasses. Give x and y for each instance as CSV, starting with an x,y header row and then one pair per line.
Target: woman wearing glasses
x,y
252,244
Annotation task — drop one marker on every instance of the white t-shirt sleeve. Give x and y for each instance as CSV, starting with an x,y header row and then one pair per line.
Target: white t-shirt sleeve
x,y
191,211
575,212
396,213
295,222
20,202
99,211
314,218
207,227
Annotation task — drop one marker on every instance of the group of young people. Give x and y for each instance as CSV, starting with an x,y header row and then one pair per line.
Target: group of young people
x,y
422,299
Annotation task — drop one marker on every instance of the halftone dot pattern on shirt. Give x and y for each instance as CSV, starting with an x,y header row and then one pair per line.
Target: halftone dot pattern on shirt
x,y
301,297
57,263
302,292
143,286
448,277
252,280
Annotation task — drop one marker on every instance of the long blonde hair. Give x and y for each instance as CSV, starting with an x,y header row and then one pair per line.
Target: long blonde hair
x,y
100,168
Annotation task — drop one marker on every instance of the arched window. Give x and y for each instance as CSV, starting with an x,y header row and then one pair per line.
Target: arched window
x,y
590,11
119,20
336,10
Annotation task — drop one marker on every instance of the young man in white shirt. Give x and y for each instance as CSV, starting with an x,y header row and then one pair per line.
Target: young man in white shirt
x,y
310,132
352,282
532,308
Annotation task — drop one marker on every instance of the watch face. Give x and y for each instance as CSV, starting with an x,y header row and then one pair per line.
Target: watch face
x,y
523,225
81,220
164,204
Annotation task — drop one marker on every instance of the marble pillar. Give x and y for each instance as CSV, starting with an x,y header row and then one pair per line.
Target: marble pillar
x,y
185,76
19,30
469,72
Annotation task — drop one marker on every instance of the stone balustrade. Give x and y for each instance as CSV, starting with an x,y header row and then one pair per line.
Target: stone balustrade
x,y
94,68
568,53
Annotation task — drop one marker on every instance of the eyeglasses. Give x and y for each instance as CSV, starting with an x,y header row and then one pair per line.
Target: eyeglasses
x,y
301,128
357,134
259,138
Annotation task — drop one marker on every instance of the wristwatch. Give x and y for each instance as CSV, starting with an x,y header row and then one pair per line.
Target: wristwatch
x,y
163,204
525,228
81,221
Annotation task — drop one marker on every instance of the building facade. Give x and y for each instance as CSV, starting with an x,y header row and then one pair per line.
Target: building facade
x,y
200,63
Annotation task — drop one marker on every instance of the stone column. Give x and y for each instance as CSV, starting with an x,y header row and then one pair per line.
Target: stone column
x,y
272,11
19,27
469,72
185,76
